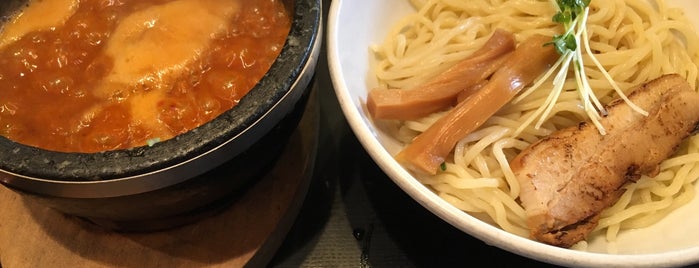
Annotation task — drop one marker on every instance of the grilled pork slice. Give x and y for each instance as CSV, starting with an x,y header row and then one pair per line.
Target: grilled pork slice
x,y
568,178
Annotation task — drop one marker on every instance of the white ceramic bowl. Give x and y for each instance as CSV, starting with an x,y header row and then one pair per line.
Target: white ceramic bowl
x,y
354,25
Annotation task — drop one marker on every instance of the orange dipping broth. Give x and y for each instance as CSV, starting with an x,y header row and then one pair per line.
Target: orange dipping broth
x,y
48,79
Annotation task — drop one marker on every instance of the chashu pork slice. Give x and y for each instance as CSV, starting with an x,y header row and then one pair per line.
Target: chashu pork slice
x,y
569,177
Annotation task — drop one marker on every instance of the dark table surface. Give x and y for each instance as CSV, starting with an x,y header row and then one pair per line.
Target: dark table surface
x,y
355,216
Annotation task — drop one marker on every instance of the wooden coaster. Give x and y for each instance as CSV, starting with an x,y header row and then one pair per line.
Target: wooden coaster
x,y
248,233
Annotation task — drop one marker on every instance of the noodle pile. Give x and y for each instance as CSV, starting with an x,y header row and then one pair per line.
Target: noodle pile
x,y
635,41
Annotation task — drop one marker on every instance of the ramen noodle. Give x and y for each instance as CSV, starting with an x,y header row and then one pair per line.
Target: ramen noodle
x,y
93,75
635,40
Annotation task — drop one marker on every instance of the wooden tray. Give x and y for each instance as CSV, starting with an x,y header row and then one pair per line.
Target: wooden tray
x,y
248,233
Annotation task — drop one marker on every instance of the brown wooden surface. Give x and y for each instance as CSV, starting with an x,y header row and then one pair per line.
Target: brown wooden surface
x,y
247,233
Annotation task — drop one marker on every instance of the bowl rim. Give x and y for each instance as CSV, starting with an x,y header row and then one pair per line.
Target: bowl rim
x,y
145,168
491,235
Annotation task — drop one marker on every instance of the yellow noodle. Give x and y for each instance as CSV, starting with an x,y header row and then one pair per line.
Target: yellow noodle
x,y
498,152
632,39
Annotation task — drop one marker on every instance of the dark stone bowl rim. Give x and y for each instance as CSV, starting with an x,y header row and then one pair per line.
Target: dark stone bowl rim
x,y
31,163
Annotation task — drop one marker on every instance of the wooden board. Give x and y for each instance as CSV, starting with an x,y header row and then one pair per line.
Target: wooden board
x,y
246,234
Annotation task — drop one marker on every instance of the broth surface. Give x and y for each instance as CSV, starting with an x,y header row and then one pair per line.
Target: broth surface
x,y
114,74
